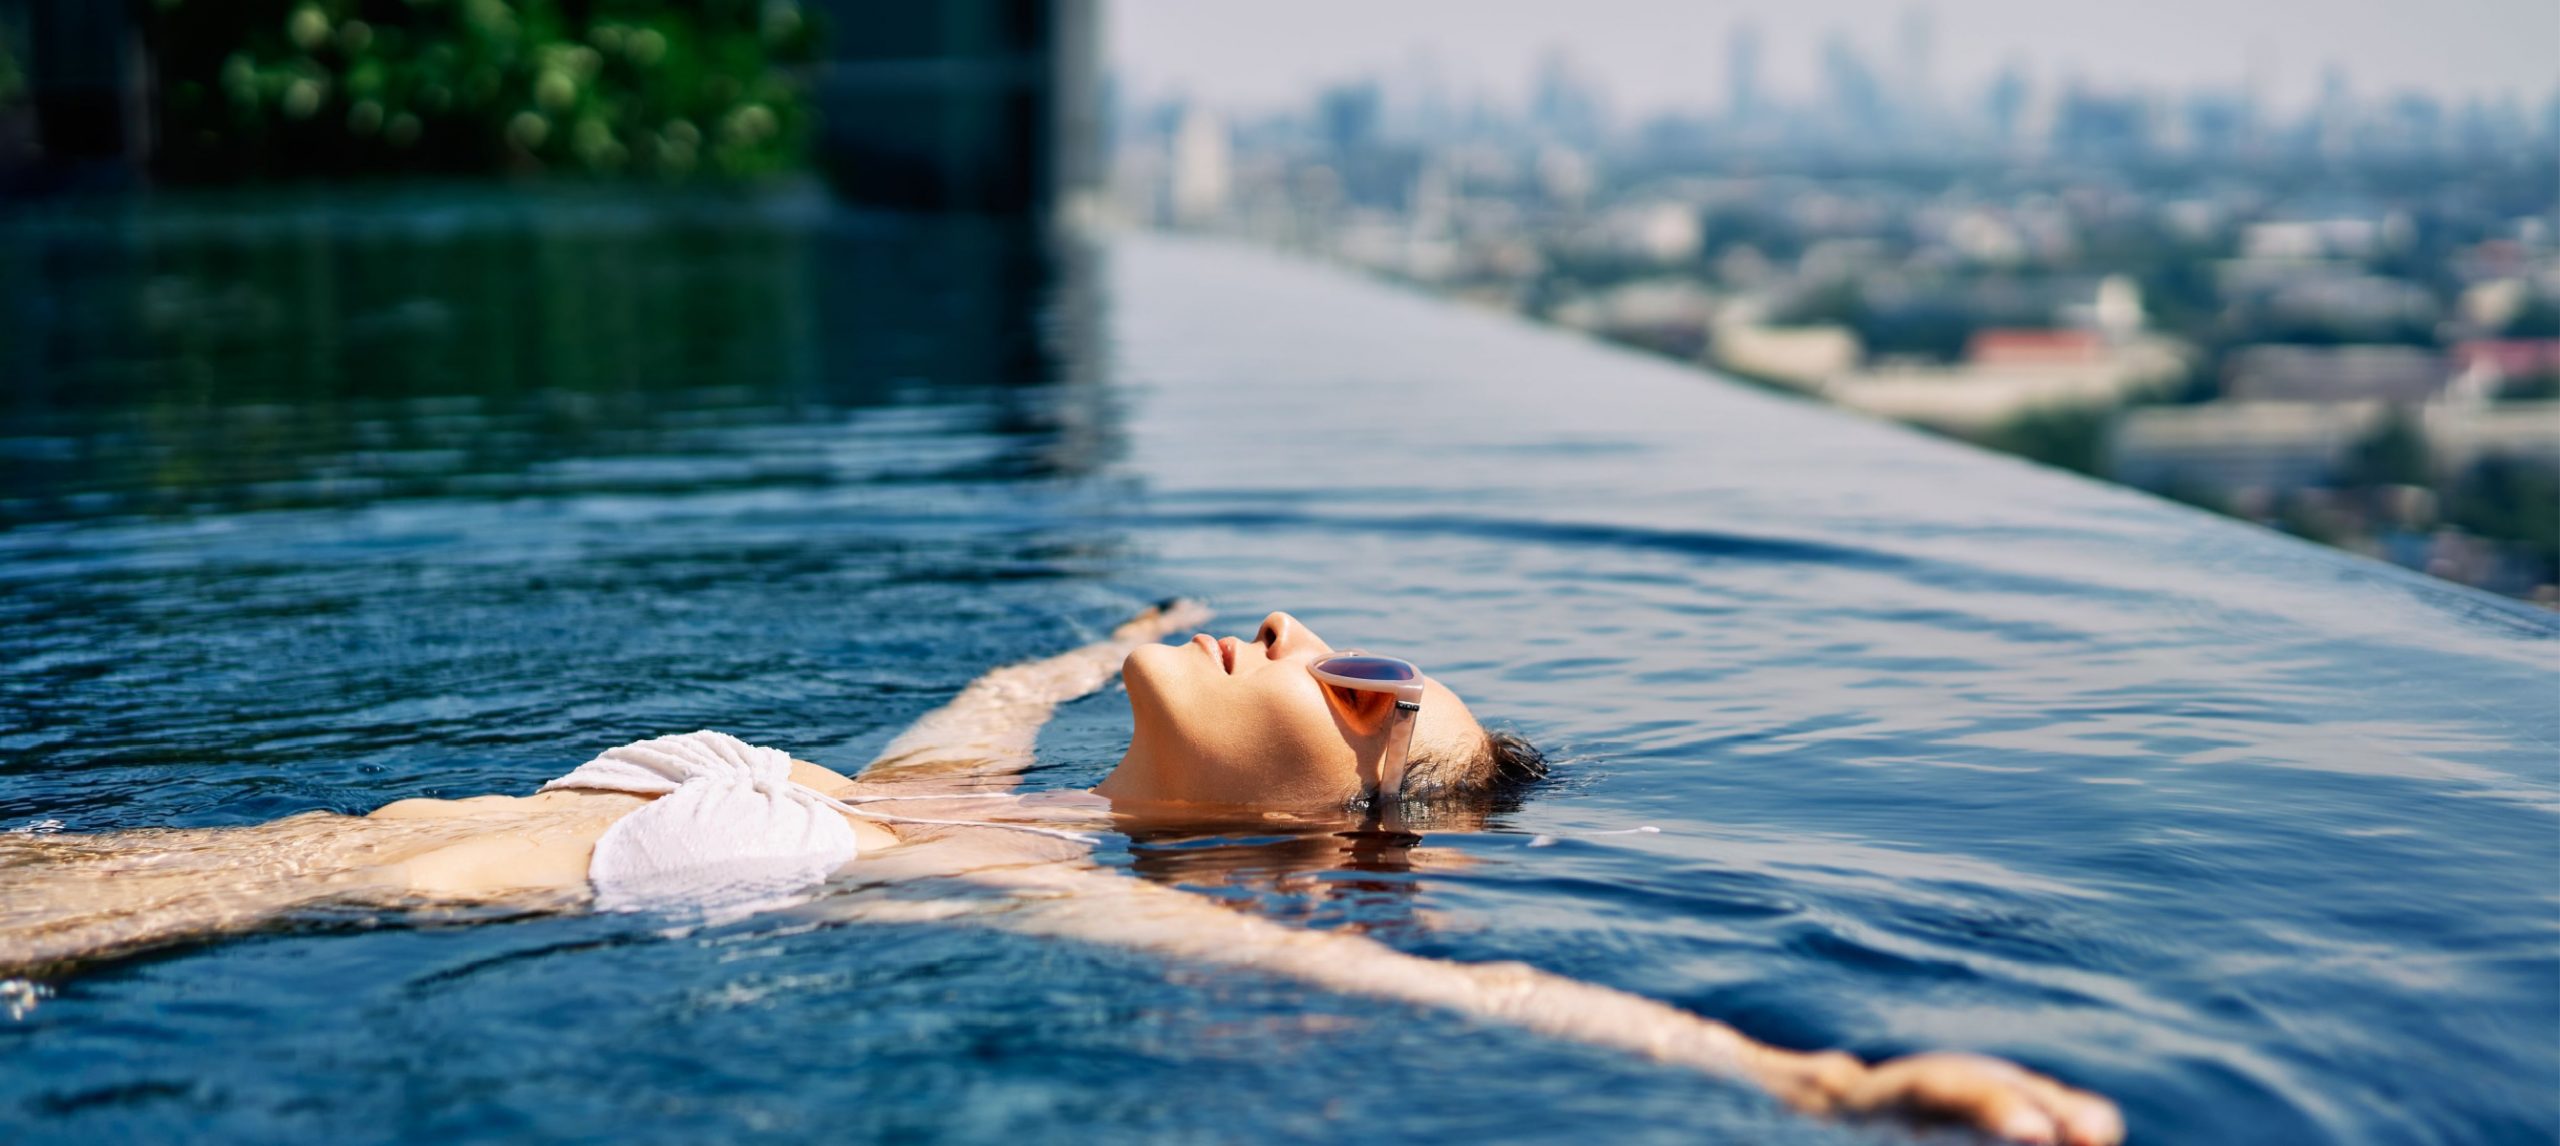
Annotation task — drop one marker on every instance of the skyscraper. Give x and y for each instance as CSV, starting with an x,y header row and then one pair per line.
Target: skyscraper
x,y
2004,103
1742,73
1564,103
1348,114
1857,99
1915,48
1200,174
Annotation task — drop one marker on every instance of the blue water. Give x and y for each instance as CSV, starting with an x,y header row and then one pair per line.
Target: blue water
x,y
330,502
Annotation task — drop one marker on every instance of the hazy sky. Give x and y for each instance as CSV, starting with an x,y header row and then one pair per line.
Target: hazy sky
x,y
1651,54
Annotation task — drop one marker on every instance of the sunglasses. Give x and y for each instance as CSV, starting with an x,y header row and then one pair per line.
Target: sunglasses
x,y
1375,695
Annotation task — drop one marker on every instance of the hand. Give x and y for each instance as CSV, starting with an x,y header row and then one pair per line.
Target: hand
x,y
1999,1098
1169,616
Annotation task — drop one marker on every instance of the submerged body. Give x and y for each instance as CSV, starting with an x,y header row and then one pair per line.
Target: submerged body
x,y
1198,708
586,809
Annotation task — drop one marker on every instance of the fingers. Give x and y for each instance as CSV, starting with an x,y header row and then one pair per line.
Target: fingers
x,y
1999,1098
2011,1119
2079,1117
2085,1118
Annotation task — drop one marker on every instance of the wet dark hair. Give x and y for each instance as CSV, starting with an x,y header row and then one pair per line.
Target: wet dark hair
x,y
1505,763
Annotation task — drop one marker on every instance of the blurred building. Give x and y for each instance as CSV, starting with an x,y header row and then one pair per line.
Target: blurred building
x,y
1797,355
2459,436
2007,374
986,106
1201,172
2495,360
2063,268
1742,76
87,80
2260,448
2240,448
2404,375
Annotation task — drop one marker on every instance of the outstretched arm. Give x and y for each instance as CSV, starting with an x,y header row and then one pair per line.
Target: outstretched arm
x,y
985,734
1994,1096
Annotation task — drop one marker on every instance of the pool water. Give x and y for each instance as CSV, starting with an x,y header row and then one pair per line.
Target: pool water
x,y
321,502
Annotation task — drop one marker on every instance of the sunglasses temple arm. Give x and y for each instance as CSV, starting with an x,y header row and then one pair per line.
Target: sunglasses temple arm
x,y
1399,745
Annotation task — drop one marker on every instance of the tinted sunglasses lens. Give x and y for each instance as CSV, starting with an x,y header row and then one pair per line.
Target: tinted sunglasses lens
x,y
1384,670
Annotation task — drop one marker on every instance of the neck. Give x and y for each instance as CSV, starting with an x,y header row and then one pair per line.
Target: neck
x,y
1136,777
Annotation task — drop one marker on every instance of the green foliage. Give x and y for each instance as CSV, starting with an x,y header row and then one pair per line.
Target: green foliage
x,y
2539,318
2313,519
1933,330
13,80
2508,498
2542,387
2178,287
2199,381
1730,227
2069,437
2201,496
2394,454
1838,302
669,88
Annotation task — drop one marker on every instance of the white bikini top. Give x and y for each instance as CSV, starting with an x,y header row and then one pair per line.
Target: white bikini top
x,y
729,826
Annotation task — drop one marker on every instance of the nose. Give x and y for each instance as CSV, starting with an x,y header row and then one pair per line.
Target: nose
x,y
1284,635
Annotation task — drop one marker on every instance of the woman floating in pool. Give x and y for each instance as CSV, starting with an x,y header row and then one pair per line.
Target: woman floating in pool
x,y
1278,723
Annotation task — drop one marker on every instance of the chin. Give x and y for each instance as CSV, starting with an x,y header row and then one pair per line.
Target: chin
x,y
1146,672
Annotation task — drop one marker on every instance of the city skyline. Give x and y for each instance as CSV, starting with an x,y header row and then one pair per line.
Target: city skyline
x,y
1651,57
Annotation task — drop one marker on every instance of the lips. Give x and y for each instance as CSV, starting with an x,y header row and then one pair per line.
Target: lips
x,y
1220,650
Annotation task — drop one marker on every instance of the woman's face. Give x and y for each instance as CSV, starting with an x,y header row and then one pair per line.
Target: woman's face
x,y
1241,722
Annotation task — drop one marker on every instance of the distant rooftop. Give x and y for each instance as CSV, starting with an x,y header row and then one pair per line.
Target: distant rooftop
x,y
2032,347
2402,374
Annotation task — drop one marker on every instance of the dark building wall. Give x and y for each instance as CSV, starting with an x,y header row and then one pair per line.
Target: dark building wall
x,y
968,105
85,75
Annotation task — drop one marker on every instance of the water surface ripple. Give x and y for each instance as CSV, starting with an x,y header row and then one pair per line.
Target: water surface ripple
x,y
325,504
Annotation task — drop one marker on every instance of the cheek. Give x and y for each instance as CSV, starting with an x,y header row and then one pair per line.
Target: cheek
x,y
1277,738
1289,709
1246,741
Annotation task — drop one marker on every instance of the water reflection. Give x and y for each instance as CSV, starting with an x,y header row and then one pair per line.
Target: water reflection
x,y
316,502
1330,874
1356,870
240,356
